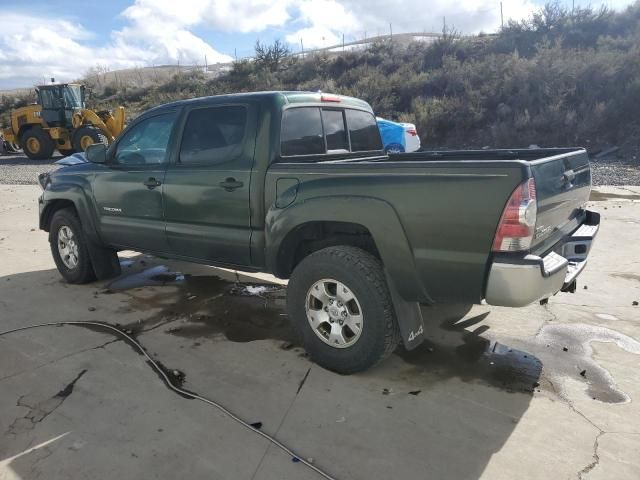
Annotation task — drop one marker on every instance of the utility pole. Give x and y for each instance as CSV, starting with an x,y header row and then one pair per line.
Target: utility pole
x,y
301,47
343,43
444,25
390,31
235,53
501,17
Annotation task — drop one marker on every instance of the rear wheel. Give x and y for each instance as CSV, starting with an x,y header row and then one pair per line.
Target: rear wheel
x,y
339,303
37,144
87,135
69,247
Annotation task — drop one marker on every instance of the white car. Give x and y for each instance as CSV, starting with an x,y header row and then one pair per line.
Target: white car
x,y
411,138
398,137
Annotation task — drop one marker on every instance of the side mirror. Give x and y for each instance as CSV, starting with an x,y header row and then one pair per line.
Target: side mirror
x,y
96,153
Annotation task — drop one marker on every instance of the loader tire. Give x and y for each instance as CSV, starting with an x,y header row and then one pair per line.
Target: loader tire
x,y
87,135
37,144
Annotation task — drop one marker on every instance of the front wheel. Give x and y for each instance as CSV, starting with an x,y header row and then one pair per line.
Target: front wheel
x,y
339,303
87,135
69,248
37,144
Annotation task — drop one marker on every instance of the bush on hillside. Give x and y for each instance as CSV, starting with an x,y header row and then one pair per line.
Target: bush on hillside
x,y
557,78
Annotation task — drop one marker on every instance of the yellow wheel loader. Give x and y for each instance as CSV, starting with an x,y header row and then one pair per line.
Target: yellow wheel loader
x,y
60,121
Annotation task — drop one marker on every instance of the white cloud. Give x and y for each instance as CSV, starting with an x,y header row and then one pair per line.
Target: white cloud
x,y
223,15
162,31
327,21
48,47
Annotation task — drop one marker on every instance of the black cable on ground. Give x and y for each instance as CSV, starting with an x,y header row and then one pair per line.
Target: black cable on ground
x,y
185,393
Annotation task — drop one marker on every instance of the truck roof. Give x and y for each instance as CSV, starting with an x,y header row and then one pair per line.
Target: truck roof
x,y
283,97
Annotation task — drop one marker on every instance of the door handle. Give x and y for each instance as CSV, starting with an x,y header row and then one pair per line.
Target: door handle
x,y
568,177
230,184
152,183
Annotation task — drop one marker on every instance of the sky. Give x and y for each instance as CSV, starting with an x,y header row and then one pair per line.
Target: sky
x,y
65,38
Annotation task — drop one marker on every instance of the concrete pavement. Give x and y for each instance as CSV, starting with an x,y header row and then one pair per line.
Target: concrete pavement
x,y
493,394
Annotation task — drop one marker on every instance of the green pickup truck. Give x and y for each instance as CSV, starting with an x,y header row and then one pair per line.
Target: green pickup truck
x,y
297,184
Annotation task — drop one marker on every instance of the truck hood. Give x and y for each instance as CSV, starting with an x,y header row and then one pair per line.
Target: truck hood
x,y
75,159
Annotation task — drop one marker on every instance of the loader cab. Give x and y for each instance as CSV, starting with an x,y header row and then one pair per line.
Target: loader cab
x,y
59,102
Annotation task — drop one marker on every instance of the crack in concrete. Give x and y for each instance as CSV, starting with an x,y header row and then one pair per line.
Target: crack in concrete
x,y
546,320
303,381
596,457
601,431
39,411
55,360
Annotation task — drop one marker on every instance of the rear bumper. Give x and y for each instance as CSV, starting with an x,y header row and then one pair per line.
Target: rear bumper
x,y
518,281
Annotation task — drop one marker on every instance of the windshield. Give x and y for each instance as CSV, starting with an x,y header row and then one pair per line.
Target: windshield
x,y
72,96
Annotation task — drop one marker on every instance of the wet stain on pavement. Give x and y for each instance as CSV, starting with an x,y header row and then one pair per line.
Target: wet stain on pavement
x,y
465,349
206,306
628,276
453,351
200,307
597,196
578,340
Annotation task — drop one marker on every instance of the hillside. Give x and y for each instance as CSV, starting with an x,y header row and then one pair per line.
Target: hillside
x,y
557,78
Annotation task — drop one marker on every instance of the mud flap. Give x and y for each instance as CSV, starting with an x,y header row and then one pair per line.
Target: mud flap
x,y
104,261
409,318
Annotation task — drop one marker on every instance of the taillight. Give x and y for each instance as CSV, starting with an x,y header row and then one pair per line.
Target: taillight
x,y
329,98
517,224
412,131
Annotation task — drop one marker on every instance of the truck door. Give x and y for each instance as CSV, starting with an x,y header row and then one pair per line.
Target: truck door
x,y
128,193
206,193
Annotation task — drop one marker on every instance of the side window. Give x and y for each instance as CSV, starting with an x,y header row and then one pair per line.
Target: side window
x,y
334,130
302,132
213,135
363,131
48,99
146,143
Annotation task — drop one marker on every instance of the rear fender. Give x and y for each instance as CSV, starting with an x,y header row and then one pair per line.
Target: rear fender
x,y
381,220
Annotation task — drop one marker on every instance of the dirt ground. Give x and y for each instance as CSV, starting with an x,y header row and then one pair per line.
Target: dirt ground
x,y
540,392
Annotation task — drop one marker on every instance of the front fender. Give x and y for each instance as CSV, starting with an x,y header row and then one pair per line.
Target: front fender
x,y
63,192
376,215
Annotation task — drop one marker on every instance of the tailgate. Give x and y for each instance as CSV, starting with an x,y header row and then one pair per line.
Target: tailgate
x,y
563,185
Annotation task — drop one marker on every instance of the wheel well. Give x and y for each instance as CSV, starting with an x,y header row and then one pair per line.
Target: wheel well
x,y
24,129
45,219
312,236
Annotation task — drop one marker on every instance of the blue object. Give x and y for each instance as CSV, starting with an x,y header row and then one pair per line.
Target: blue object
x,y
392,134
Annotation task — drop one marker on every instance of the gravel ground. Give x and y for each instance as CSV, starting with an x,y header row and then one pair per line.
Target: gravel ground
x,y
614,171
19,170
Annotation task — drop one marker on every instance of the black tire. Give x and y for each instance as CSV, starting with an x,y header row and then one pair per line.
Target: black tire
x,y
83,271
67,152
363,274
36,144
89,131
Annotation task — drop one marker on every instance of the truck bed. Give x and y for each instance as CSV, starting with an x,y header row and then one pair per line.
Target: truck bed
x,y
448,204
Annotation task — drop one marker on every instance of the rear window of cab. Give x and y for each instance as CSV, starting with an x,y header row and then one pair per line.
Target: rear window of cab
x,y
318,131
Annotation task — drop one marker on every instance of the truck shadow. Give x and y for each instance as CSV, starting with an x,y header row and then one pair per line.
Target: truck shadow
x,y
241,310
432,391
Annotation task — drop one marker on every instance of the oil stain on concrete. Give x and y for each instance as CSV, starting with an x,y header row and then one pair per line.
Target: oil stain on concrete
x,y
206,306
